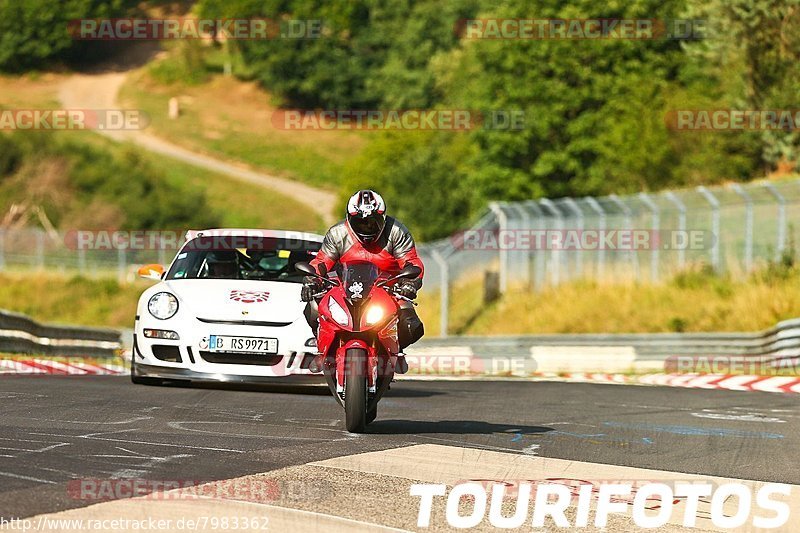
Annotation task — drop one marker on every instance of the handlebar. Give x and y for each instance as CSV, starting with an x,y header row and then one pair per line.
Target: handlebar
x,y
322,293
406,298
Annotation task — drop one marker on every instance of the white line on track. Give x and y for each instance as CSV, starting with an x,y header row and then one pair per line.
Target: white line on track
x,y
146,443
27,478
179,425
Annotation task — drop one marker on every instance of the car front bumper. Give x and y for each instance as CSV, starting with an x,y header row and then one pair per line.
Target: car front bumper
x,y
186,374
189,355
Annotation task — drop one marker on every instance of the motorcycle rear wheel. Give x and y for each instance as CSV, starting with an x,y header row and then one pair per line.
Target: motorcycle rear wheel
x,y
355,390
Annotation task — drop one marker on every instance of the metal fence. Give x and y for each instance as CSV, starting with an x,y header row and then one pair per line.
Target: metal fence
x,y
531,245
32,249
534,244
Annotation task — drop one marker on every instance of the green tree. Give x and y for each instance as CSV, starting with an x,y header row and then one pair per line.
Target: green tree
x,y
371,53
422,185
754,51
594,112
36,32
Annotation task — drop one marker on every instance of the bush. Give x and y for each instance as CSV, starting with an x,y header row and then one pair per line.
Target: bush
x,y
779,270
148,201
702,276
10,156
677,324
114,176
34,33
186,65
422,184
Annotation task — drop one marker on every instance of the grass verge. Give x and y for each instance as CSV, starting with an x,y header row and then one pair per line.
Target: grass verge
x,y
232,119
693,301
117,359
71,299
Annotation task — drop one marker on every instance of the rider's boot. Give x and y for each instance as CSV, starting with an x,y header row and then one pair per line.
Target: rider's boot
x,y
401,366
316,364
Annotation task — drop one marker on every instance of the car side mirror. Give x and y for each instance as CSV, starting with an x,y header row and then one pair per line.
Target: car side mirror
x,y
153,271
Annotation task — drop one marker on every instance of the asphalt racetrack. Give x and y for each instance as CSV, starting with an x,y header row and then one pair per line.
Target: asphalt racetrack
x,y
57,429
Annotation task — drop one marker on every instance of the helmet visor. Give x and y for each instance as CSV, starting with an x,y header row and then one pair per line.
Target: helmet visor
x,y
367,227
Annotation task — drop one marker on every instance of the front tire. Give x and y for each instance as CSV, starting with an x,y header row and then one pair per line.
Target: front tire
x,y
355,390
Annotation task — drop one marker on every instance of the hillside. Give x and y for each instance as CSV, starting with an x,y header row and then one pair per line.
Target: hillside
x,y
232,119
83,180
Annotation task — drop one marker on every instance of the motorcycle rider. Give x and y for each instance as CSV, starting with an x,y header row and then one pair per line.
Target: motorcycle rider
x,y
367,234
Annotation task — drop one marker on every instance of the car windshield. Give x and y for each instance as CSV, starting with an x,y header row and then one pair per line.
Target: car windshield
x,y
251,258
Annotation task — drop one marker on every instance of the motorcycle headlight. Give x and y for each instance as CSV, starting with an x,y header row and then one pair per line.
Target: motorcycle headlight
x,y
374,315
163,305
337,313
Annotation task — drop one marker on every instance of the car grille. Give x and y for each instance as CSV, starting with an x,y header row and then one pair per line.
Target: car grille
x,y
165,352
244,322
241,358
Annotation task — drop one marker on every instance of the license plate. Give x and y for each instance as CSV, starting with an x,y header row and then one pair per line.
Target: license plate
x,y
228,343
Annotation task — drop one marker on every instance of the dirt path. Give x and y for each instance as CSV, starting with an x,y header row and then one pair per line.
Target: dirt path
x,y
99,91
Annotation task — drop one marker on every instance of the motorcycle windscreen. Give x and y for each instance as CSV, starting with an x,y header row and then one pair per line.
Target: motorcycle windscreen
x,y
358,280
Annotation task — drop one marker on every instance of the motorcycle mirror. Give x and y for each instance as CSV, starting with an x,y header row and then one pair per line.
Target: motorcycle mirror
x,y
410,271
305,268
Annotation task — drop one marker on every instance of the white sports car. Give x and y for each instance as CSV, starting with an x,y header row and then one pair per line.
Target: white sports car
x,y
227,309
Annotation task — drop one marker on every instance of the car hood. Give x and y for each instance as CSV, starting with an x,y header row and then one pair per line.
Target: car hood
x,y
232,300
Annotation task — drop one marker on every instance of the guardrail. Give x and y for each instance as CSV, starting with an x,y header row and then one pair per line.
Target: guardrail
x,y
603,352
619,352
20,334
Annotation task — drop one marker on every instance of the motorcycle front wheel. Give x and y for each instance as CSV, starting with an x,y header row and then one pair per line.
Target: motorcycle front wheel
x,y
355,390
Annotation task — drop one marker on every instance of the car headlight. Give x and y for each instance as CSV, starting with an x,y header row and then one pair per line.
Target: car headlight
x,y
374,315
163,305
337,313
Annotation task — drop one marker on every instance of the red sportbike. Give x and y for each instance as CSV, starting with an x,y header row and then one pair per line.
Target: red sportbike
x,y
357,336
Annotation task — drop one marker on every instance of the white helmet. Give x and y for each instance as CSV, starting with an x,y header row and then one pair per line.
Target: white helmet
x,y
366,215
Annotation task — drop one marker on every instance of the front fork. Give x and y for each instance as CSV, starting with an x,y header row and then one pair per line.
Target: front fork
x,y
341,364
378,380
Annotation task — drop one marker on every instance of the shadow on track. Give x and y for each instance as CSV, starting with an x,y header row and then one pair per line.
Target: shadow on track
x,y
317,389
452,427
314,389
400,392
